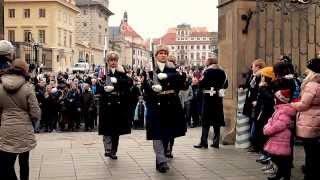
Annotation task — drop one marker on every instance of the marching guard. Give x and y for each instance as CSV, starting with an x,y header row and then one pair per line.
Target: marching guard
x,y
114,117
165,118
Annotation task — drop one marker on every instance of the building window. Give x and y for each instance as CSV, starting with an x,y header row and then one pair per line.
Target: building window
x,y
198,39
84,24
11,35
99,38
106,30
28,58
12,13
70,40
92,59
65,39
27,35
204,47
59,37
42,13
99,26
198,47
44,59
192,47
192,56
198,56
204,55
192,39
58,58
84,12
26,13
42,36
172,47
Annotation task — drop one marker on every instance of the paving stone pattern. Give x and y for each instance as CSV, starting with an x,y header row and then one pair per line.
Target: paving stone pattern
x,y
80,156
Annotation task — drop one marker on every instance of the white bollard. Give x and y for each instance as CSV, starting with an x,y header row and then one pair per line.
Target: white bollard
x,y
243,126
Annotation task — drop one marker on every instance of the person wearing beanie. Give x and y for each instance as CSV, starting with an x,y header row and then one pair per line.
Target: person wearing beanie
x,y
278,130
20,110
263,111
308,119
7,54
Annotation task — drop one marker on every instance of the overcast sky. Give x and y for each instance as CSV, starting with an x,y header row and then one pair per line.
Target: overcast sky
x,y
152,18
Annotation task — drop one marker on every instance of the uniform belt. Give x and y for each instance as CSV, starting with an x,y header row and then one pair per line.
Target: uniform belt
x,y
167,92
211,91
114,93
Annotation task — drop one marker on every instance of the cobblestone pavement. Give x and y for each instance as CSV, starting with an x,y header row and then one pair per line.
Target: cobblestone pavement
x,y
80,156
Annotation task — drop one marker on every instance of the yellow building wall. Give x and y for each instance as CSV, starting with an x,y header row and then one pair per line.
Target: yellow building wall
x,y
58,16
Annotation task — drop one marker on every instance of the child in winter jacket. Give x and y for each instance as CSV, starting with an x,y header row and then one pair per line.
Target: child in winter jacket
x,y
279,131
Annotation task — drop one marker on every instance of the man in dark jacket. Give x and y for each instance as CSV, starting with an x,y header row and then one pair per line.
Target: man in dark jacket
x,y
114,117
165,117
252,85
87,107
213,83
74,106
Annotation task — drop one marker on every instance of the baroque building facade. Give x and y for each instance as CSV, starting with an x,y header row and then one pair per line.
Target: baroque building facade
x,y
43,31
190,45
130,45
92,31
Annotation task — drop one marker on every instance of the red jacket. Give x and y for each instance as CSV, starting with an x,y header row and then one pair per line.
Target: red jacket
x,y
278,130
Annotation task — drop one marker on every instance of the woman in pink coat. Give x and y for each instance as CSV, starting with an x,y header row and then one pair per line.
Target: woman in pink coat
x,y
278,129
308,119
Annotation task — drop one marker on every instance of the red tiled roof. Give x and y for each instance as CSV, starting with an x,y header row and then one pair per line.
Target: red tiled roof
x,y
127,30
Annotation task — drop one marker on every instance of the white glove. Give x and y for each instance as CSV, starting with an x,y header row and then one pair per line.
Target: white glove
x,y
157,88
108,88
113,80
162,76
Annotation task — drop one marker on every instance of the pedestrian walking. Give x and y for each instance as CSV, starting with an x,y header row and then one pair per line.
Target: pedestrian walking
x,y
114,116
19,110
165,118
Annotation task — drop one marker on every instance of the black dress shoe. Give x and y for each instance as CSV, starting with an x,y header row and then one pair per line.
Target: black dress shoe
x,y
169,155
162,167
107,154
215,146
199,146
113,156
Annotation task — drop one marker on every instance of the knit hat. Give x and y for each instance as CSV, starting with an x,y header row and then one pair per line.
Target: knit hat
x,y
21,65
6,47
162,48
283,96
314,65
267,72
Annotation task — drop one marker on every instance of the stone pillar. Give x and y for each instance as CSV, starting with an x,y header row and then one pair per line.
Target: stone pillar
x,y
1,19
236,52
